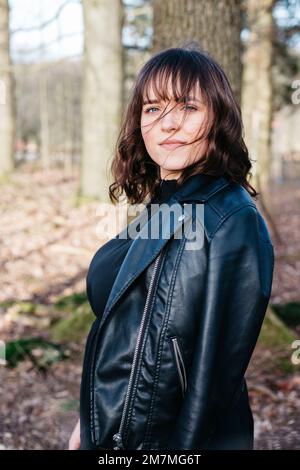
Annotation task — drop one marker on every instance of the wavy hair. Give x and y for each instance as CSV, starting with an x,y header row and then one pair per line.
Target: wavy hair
x,y
134,171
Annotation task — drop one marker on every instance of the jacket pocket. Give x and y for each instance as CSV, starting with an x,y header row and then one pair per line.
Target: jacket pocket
x,y
179,362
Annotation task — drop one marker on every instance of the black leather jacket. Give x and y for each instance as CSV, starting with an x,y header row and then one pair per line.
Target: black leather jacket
x,y
164,366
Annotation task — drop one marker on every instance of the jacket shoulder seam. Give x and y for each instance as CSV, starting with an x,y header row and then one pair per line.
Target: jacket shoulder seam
x,y
214,208
229,214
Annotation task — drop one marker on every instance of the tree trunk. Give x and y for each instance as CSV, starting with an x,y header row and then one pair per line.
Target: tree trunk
x,y
44,120
101,94
257,89
215,25
6,99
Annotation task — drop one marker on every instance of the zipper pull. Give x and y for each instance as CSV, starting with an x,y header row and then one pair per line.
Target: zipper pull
x,y
118,438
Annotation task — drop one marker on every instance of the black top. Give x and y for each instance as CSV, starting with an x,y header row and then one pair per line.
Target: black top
x,y
107,260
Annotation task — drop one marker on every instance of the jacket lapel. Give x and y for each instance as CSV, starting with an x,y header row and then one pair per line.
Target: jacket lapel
x,y
145,247
200,187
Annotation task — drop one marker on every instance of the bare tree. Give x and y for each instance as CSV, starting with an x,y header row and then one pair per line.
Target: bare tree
x,y
257,99
216,25
102,93
44,119
257,88
6,100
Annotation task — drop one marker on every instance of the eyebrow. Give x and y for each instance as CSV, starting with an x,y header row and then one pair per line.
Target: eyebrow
x,y
154,101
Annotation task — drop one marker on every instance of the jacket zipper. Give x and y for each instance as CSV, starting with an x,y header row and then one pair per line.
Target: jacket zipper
x,y
119,436
180,364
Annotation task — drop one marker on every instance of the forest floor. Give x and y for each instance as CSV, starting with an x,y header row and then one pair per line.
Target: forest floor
x,y
47,242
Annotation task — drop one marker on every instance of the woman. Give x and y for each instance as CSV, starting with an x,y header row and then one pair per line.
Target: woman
x,y
176,319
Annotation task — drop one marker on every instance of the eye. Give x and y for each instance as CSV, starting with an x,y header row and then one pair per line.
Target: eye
x,y
187,106
148,109
191,107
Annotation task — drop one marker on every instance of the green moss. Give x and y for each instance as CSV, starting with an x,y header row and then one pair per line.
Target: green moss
x,y
285,365
289,313
69,318
70,405
74,326
277,338
274,333
7,303
71,302
41,352
20,308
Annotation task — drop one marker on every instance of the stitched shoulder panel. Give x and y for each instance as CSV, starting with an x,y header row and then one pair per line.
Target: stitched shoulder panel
x,y
230,198
225,202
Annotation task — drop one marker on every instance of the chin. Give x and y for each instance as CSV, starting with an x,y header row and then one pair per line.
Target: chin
x,y
173,167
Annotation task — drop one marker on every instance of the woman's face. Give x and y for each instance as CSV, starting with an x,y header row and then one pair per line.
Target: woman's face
x,y
172,159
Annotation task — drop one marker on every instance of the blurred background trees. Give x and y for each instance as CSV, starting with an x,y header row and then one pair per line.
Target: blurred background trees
x,y
52,99
102,89
66,71
6,103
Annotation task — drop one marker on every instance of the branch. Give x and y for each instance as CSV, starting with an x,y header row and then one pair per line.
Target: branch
x,y
47,22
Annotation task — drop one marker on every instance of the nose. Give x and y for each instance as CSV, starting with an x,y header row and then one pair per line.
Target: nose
x,y
170,120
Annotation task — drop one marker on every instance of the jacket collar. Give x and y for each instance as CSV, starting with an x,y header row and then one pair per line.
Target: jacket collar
x,y
200,187
143,250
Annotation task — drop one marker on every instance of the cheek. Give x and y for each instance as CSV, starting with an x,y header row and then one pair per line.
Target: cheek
x,y
194,124
148,134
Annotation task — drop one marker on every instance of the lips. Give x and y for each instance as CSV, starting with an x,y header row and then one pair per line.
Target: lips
x,y
171,145
172,141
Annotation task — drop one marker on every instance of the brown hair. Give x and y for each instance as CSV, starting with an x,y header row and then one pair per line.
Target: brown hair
x,y
133,169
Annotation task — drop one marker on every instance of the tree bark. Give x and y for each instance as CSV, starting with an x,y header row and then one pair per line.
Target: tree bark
x,y
7,127
257,89
101,94
215,25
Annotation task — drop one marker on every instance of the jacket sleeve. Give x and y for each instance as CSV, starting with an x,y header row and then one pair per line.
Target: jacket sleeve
x,y
238,286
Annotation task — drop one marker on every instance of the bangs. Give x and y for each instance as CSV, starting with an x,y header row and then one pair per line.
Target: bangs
x,y
183,80
183,77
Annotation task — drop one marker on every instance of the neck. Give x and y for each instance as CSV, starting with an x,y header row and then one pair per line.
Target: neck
x,y
164,175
